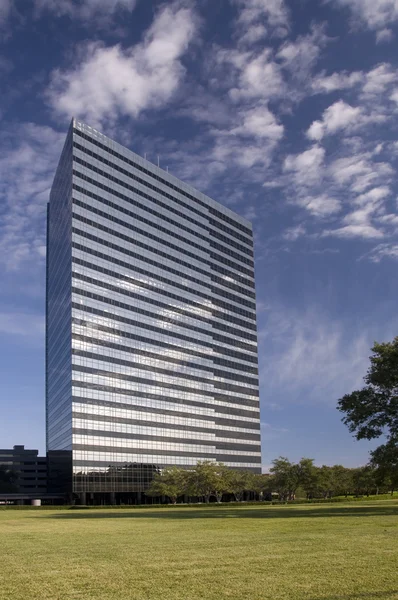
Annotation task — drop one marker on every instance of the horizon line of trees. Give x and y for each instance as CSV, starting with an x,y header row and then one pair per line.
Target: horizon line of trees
x,y
286,480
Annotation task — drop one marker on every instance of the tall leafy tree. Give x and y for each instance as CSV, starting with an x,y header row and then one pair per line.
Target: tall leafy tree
x,y
286,478
385,462
239,482
373,411
172,482
307,476
364,480
209,479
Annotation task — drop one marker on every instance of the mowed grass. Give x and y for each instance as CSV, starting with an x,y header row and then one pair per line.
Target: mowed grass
x,y
335,552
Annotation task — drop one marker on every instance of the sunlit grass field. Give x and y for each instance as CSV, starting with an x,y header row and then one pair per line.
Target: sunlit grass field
x,y
335,552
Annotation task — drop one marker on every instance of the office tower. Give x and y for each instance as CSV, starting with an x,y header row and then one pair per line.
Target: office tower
x,y
151,322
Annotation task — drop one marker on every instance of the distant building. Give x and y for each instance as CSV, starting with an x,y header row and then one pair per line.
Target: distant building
x,y
151,355
31,470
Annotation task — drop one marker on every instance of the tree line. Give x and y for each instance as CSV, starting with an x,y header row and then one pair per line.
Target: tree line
x,y
286,480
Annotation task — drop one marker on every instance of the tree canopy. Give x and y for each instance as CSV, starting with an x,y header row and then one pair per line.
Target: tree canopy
x,y
372,412
287,481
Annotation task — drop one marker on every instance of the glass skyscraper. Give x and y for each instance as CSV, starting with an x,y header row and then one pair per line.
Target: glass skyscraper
x,y
151,323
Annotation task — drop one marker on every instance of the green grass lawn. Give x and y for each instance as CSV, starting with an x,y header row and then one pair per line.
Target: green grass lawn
x,y
335,552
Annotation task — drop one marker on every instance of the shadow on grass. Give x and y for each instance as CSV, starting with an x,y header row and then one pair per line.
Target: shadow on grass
x,y
364,596
224,512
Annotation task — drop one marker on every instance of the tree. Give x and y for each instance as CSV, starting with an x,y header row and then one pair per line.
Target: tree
x,y
286,479
262,485
325,482
341,481
307,476
364,480
385,463
171,482
373,411
208,479
239,482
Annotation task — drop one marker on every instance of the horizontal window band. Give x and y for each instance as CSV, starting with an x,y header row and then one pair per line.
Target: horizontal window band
x,y
123,450
156,277
216,419
166,183
212,245
151,354
164,425
227,327
134,267
145,471
218,408
220,315
176,236
114,167
95,311
168,372
164,384
169,257
113,302
215,301
169,440
95,327
158,215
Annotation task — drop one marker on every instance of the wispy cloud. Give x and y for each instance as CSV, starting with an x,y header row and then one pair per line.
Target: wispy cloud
x,y
86,9
112,82
309,356
258,19
22,324
382,251
376,15
28,158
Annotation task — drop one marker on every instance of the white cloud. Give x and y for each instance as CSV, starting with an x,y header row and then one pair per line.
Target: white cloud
x,y
375,14
338,116
260,77
111,81
321,206
363,231
360,171
325,84
358,222
228,151
86,9
293,233
373,197
259,122
273,12
383,251
21,324
384,36
253,35
379,79
28,158
307,166
308,355
301,55
394,95
389,219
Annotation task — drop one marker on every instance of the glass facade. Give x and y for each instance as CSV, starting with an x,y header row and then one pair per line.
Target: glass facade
x,y
151,322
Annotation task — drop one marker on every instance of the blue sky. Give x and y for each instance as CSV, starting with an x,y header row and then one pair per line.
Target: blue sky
x,y
286,111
